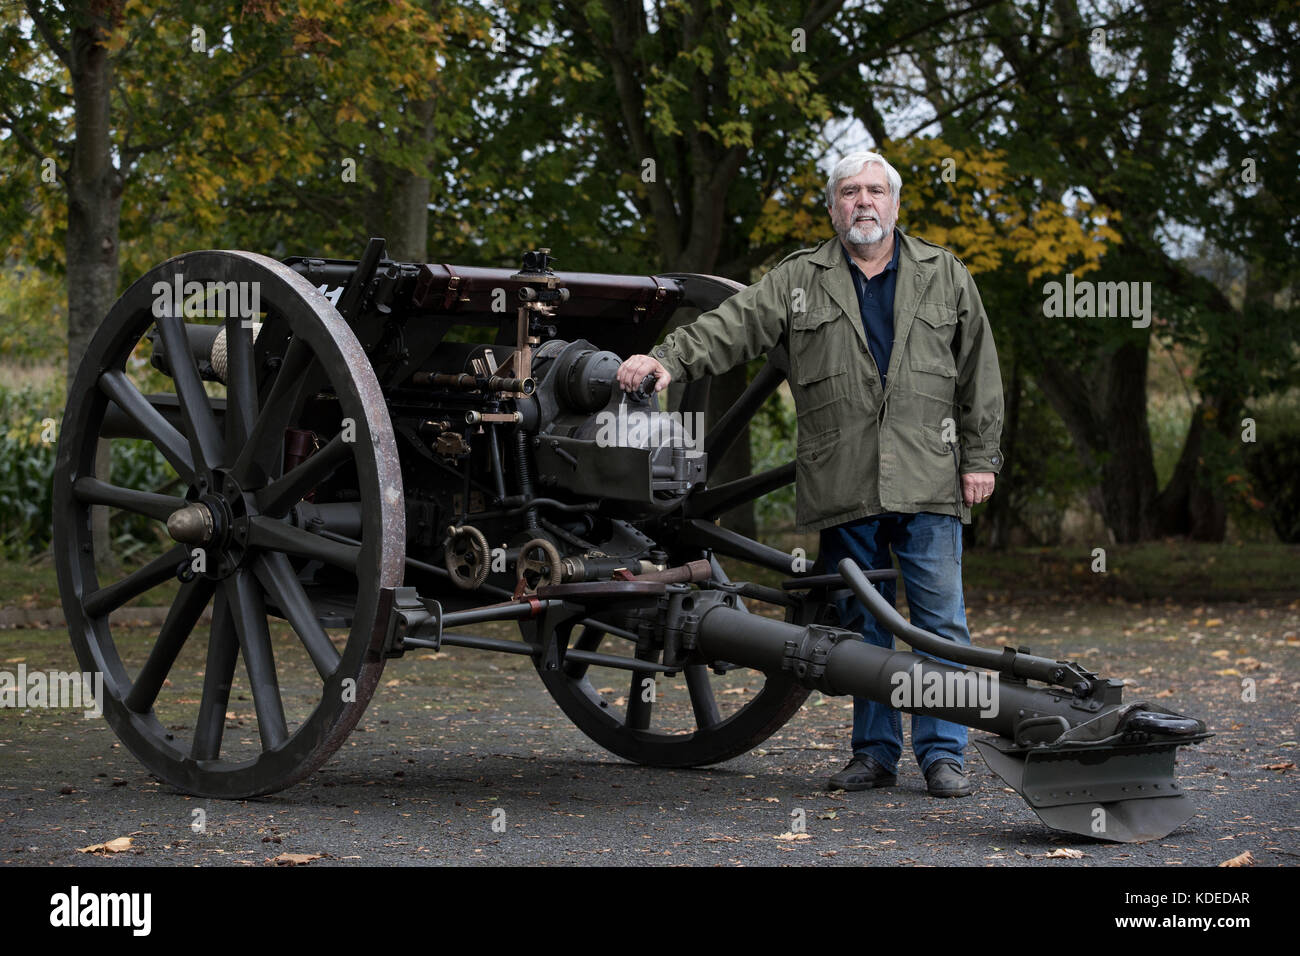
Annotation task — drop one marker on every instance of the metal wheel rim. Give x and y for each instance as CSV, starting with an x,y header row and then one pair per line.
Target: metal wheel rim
x,y
379,561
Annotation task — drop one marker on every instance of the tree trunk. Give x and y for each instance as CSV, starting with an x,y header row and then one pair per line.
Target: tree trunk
x,y
1105,413
1190,504
94,190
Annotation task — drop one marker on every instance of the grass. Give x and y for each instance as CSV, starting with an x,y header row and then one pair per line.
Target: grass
x,y
1178,570
33,584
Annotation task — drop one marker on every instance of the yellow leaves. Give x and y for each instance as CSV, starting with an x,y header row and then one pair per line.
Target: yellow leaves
x,y
348,113
967,200
796,216
115,42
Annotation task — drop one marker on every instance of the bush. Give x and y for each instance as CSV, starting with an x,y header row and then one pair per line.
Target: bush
x,y
772,444
30,416
26,466
1274,466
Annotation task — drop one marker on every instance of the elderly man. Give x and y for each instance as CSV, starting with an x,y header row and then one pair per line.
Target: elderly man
x,y
899,404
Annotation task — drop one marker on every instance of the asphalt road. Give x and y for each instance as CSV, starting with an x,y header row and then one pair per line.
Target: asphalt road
x,y
448,741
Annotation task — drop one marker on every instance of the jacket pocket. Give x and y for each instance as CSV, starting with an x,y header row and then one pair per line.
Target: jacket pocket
x,y
819,367
823,476
926,471
816,349
933,374
936,314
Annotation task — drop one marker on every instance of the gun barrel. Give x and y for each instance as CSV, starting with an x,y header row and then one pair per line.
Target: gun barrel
x,y
1084,761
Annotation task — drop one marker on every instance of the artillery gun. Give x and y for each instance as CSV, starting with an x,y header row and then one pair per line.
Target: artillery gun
x,y
354,480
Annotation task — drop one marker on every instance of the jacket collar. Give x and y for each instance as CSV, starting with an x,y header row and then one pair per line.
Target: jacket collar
x,y
829,254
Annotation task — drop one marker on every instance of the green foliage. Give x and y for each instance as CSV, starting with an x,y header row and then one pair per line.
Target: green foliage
x,y
1042,477
772,444
33,319
26,467
1274,467
32,413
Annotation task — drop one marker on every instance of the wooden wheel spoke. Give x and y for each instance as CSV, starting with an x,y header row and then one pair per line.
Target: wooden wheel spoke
x,y
282,494
266,437
305,369
273,535
281,582
248,611
92,491
241,385
170,442
588,640
703,702
638,708
196,411
223,649
181,618
106,599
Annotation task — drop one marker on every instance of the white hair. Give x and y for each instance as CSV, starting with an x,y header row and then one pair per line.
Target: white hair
x,y
854,163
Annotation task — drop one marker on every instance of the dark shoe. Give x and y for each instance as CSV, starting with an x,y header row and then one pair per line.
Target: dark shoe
x,y
946,779
862,773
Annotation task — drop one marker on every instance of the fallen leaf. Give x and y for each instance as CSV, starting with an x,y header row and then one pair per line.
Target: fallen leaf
x,y
1284,766
1241,859
294,859
1065,853
120,845
790,837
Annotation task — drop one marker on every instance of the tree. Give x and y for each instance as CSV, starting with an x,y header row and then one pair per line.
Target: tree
x,y
1149,110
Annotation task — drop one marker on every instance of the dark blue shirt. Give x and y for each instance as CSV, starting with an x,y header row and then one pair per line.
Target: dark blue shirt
x,y
876,303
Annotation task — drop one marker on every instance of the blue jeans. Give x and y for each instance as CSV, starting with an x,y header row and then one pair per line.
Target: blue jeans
x,y
928,547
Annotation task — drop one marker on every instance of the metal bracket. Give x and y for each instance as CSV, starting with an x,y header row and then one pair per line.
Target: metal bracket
x,y
413,616
806,659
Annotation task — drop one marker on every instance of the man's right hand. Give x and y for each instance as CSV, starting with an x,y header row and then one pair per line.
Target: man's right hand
x,y
636,368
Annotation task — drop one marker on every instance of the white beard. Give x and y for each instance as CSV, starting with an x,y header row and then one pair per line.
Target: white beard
x,y
865,233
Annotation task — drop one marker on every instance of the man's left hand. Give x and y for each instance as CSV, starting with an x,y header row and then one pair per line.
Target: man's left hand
x,y
977,487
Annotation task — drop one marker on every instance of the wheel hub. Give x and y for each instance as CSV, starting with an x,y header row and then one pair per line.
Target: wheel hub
x,y
192,524
217,524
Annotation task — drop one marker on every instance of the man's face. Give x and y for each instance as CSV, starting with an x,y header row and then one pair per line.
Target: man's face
x,y
864,211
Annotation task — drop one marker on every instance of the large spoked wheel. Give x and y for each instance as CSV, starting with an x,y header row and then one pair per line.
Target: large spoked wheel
x,y
697,718
227,528
707,713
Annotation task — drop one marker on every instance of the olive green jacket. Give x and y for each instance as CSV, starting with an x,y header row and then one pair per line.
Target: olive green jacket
x,y
862,451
